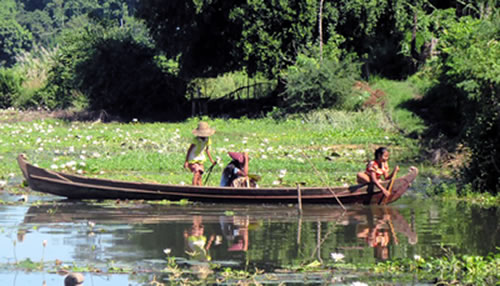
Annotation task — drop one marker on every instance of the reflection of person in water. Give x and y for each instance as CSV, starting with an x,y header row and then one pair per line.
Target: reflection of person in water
x,y
195,241
379,234
377,237
235,229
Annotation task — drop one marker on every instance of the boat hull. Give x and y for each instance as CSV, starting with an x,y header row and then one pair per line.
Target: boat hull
x,y
81,187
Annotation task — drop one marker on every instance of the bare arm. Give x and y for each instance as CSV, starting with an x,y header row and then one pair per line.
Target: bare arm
x,y
209,156
377,183
187,155
245,168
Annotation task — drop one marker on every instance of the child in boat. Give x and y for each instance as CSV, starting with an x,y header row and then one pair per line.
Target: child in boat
x,y
195,157
238,167
376,169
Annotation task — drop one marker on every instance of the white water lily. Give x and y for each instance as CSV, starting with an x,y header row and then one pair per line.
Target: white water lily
x,y
282,173
360,152
357,283
3,184
417,257
167,251
337,256
54,167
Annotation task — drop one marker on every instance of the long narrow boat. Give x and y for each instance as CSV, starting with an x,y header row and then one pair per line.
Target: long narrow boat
x,y
81,187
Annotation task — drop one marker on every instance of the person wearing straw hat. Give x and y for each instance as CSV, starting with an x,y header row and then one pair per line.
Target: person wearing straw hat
x,y
238,167
195,157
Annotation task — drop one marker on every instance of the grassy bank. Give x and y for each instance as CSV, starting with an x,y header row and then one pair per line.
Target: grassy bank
x,y
337,143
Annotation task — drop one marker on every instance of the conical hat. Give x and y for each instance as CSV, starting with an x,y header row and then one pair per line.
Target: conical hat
x,y
203,130
240,157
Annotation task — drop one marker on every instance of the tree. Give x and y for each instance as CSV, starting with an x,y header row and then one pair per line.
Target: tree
x,y
274,33
200,34
13,37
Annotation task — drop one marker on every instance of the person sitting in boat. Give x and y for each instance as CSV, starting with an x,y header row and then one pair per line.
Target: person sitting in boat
x,y
195,156
376,169
237,168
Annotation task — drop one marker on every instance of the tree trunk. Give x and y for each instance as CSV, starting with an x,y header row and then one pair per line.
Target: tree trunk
x,y
320,30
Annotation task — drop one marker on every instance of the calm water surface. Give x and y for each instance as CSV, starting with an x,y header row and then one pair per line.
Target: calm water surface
x,y
135,235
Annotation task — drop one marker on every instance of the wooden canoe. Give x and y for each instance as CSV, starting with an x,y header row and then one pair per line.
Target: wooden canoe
x,y
81,187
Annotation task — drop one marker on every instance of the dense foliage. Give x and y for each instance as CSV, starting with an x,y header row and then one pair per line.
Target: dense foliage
x,y
136,58
473,68
119,72
312,85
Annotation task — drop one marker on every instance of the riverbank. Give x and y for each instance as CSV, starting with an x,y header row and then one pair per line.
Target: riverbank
x,y
282,152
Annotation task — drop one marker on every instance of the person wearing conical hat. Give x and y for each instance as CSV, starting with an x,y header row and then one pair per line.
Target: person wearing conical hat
x,y
237,168
195,157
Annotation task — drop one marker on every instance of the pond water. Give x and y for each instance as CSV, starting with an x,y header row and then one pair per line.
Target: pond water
x,y
135,236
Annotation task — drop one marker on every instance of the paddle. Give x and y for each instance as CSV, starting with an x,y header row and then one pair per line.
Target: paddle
x,y
391,184
209,171
391,226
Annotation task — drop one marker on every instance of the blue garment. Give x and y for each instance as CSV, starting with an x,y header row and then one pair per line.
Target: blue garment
x,y
229,174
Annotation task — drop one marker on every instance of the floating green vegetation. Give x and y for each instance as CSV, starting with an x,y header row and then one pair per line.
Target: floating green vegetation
x,y
448,270
450,191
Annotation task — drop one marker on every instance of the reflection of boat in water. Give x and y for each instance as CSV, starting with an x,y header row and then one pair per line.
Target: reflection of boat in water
x,y
130,213
228,232
79,187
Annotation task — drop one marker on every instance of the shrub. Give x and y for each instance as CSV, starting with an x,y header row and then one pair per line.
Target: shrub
x,y
465,102
10,84
118,70
313,85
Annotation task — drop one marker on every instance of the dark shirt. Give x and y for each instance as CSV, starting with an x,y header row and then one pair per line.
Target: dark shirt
x,y
230,173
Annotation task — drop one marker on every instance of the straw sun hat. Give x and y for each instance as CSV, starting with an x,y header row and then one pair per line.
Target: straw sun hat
x,y
203,130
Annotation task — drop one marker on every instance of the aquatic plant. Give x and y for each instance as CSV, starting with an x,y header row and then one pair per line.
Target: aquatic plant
x,y
450,269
